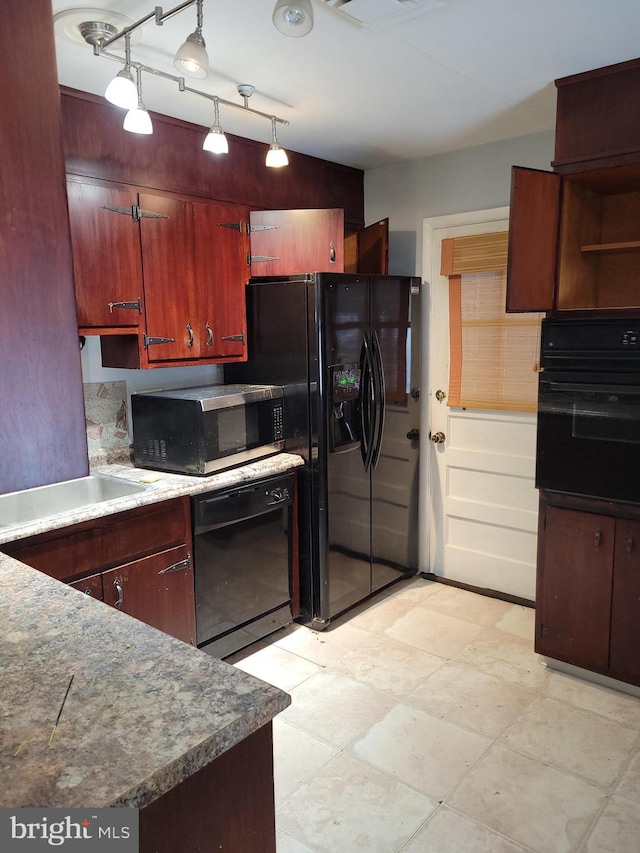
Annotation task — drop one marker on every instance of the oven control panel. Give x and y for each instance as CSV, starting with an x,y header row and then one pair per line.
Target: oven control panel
x,y
629,339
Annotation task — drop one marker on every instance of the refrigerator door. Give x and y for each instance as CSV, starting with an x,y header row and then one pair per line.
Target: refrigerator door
x,y
390,299
343,326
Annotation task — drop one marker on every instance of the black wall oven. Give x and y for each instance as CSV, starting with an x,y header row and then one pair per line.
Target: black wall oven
x,y
589,408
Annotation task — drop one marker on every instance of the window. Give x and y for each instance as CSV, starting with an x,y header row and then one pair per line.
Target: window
x,y
494,356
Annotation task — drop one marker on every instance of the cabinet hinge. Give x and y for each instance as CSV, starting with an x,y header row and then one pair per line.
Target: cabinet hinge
x,y
235,226
253,228
135,212
148,342
542,631
259,259
176,567
134,306
233,338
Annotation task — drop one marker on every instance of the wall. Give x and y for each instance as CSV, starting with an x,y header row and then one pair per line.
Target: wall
x,y
469,179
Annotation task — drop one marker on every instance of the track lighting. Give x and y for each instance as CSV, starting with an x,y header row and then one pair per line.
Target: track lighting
x,y
276,156
122,90
293,19
191,58
138,120
215,141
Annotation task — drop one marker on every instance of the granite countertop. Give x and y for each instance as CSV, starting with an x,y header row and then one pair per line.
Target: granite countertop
x,y
159,486
144,711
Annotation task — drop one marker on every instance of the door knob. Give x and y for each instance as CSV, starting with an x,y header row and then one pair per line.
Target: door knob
x,y
437,437
413,434
441,395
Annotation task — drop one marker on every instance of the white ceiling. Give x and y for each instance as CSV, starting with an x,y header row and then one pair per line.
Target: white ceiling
x,y
438,76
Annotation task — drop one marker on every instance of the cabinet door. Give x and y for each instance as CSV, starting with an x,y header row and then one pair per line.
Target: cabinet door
x,y
105,240
533,239
157,590
287,242
573,600
221,246
91,585
624,656
166,232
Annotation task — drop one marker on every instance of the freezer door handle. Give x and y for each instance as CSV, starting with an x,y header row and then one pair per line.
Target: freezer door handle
x,y
367,411
379,392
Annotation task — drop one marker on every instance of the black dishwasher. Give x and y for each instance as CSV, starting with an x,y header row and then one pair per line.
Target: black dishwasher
x,y
242,563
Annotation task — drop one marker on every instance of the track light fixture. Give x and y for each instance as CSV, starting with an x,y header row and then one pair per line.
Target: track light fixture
x,y
276,156
138,120
293,19
192,60
215,141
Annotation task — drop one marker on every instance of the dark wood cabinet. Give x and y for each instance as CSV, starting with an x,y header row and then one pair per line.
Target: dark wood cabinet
x,y
287,242
588,586
574,241
138,561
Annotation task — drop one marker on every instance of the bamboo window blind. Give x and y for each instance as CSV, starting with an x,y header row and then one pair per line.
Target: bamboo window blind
x,y
493,355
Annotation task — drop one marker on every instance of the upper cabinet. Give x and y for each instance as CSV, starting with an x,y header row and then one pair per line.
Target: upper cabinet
x,y
287,242
160,277
574,234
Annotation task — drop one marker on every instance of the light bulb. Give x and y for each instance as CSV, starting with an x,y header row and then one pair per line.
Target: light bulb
x,y
215,141
122,91
276,156
191,58
293,19
138,120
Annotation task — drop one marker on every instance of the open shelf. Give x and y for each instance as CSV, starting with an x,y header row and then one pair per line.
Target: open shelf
x,y
612,248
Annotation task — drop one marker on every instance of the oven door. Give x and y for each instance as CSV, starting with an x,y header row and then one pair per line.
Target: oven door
x,y
589,435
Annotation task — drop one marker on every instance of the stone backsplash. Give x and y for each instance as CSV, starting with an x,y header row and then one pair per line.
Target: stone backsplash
x,y
105,405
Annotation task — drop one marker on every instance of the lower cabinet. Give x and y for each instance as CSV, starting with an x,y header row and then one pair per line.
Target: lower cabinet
x,y
138,561
588,586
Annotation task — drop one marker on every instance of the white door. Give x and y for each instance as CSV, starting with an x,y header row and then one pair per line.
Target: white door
x,y
479,506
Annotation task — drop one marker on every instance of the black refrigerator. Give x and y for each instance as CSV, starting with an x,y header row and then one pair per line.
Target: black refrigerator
x,y
337,343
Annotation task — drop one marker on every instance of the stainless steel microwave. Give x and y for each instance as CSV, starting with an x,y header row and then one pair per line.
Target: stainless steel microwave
x,y
206,429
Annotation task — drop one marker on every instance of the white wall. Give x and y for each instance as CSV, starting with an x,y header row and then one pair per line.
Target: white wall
x,y
470,179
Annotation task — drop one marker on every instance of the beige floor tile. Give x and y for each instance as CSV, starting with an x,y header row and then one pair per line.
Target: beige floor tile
x,y
278,667
629,784
324,648
447,831
388,665
335,709
471,698
349,806
617,829
506,656
613,704
296,756
466,605
574,740
285,843
377,617
429,754
536,805
520,621
436,633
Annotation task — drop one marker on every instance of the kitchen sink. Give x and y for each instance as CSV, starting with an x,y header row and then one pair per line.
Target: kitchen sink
x,y
43,501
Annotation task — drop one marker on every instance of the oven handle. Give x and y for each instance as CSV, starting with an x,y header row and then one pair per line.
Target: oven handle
x,y
552,385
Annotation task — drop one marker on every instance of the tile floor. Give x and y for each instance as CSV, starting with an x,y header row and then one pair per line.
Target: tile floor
x,y
423,722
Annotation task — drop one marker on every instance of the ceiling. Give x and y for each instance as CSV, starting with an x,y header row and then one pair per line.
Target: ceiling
x,y
428,76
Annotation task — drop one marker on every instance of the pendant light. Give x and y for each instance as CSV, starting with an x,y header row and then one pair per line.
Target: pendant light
x,y
122,90
191,58
293,19
215,141
138,120
276,156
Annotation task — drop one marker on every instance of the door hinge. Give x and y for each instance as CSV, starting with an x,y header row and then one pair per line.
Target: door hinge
x,y
133,306
148,342
176,567
235,226
135,212
234,338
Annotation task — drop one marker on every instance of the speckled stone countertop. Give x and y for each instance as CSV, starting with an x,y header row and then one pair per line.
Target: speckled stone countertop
x,y
144,711
159,486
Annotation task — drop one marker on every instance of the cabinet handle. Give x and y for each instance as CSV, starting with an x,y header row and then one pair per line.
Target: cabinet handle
x,y
598,538
191,336
629,544
209,340
120,592
332,253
